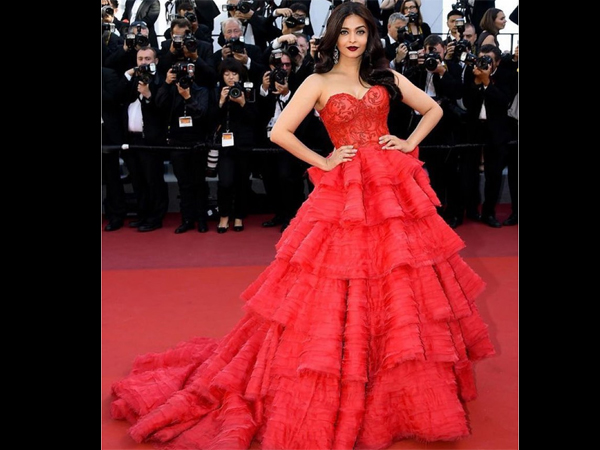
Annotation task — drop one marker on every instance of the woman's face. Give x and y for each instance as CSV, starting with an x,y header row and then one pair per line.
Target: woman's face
x,y
410,7
500,21
353,37
230,77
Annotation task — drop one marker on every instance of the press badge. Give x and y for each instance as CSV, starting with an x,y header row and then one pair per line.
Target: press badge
x,y
185,121
227,140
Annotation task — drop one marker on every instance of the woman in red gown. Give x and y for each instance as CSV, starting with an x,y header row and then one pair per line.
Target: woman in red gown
x,y
363,330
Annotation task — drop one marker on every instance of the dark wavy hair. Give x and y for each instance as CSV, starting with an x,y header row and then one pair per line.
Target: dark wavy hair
x,y
374,66
232,65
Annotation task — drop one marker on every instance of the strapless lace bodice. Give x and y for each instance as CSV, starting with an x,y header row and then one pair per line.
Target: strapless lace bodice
x,y
350,120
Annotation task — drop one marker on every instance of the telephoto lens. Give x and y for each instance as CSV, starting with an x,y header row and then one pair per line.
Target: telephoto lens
x,y
211,163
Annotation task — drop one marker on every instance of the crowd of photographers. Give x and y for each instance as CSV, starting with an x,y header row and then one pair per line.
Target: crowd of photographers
x,y
208,111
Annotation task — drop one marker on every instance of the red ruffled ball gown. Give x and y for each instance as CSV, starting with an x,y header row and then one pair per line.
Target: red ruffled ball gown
x,y
361,332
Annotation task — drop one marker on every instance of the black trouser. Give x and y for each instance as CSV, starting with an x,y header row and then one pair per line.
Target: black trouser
x,y
189,167
439,163
283,178
233,186
498,154
115,205
463,187
439,159
147,170
513,168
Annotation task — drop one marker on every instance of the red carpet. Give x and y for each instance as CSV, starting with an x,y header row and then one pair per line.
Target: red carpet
x,y
159,288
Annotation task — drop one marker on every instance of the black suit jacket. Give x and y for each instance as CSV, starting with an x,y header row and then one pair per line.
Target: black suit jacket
x,y
263,31
497,97
242,122
112,108
205,72
390,49
154,122
148,12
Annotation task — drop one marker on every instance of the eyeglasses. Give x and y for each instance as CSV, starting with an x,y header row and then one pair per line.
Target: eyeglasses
x,y
286,64
410,7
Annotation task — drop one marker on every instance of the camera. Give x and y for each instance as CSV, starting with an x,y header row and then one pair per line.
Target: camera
x,y
191,17
243,7
460,25
185,73
412,17
145,72
468,58
279,75
292,49
462,46
189,41
317,41
138,39
412,41
413,57
431,60
293,22
236,90
107,11
236,45
106,26
483,62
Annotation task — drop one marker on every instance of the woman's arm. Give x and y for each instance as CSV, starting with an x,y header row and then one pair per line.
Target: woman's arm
x,y
302,103
418,100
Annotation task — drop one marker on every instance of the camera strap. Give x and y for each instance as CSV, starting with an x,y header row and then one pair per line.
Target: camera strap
x,y
227,135
282,103
227,103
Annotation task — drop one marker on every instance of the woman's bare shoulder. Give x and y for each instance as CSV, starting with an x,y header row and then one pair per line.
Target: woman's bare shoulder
x,y
319,86
314,80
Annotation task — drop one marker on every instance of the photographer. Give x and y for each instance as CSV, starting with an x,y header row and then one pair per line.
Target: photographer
x,y
491,85
440,78
398,43
113,133
145,126
237,119
396,48
455,33
184,47
290,5
111,39
282,173
110,11
293,23
249,55
464,196
125,56
143,11
200,31
205,11
186,107
416,26
256,29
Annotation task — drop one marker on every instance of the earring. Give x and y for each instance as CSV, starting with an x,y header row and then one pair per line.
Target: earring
x,y
336,55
